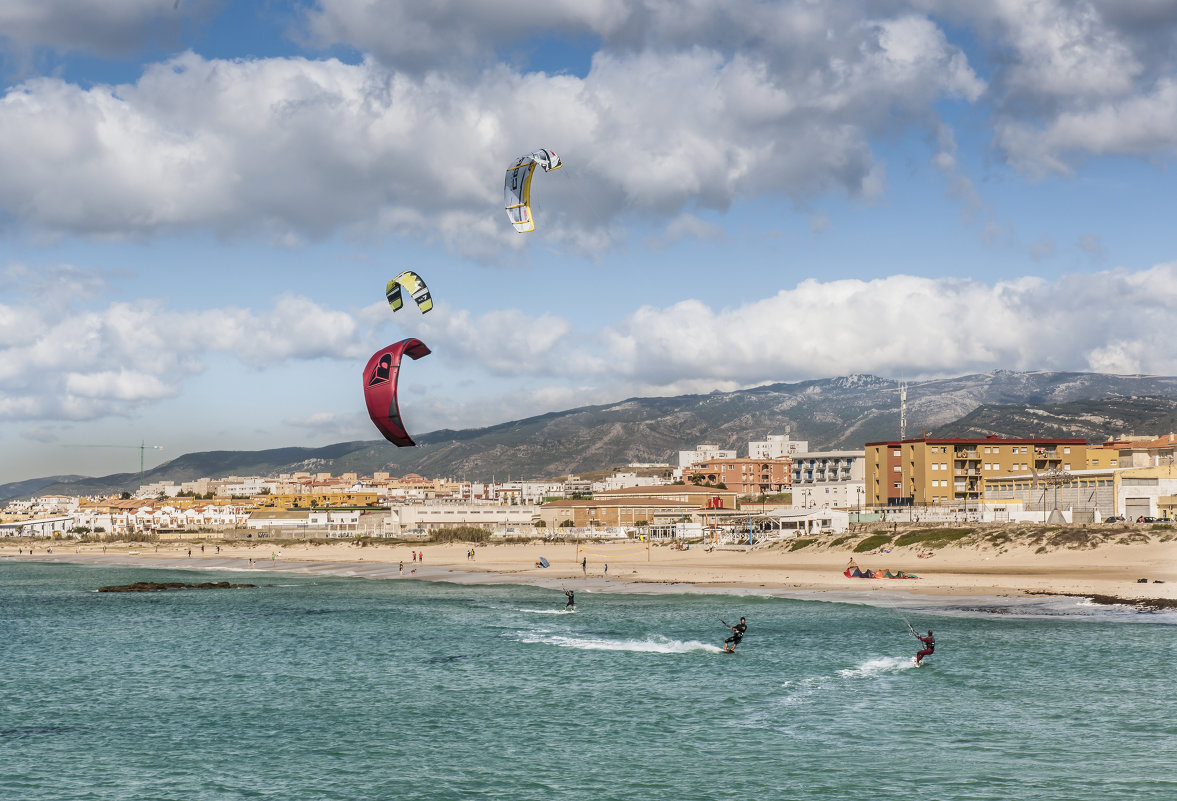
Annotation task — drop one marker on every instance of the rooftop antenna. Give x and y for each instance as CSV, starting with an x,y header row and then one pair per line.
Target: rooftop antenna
x,y
903,411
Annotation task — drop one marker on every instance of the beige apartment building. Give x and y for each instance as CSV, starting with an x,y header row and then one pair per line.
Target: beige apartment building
x,y
939,471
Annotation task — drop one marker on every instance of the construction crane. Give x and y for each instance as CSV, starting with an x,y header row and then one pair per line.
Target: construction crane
x,y
142,447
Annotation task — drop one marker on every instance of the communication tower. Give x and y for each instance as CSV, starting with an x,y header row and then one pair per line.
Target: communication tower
x,y
903,412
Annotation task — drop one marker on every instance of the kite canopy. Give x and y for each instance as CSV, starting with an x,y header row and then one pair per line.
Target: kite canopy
x,y
414,286
517,189
380,378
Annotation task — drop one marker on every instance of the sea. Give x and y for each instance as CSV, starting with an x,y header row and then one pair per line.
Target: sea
x,y
320,687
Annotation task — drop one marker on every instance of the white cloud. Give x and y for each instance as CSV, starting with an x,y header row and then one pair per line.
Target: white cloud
x,y
1140,125
108,361
291,148
87,364
898,325
1073,79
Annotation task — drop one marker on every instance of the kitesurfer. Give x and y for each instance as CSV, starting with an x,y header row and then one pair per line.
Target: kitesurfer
x,y
571,603
928,641
737,634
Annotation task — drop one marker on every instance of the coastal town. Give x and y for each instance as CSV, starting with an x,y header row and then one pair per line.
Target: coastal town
x,y
777,489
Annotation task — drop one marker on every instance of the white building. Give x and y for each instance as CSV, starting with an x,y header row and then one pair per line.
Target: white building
x,y
777,446
703,453
250,487
157,488
829,479
621,480
41,527
426,517
791,523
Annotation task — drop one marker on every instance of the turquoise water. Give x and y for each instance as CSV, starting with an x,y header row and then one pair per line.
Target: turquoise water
x,y
334,688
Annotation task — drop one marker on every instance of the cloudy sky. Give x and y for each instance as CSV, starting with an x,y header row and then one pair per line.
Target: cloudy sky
x,y
201,202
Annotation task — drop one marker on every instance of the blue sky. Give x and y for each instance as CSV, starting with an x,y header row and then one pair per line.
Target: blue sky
x,y
200,204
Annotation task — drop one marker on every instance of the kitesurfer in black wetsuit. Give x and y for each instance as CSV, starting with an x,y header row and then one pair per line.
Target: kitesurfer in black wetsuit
x,y
930,642
571,603
737,634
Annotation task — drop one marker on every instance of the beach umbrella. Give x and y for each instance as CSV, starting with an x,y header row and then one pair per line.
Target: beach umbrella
x,y
543,562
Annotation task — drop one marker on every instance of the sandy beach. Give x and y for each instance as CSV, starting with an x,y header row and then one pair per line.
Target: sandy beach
x,y
1107,569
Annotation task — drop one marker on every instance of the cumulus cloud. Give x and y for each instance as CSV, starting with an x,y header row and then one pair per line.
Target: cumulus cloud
x,y
293,148
1074,79
905,324
111,360
87,364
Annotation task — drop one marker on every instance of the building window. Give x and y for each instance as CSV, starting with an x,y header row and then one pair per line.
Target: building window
x,y
1067,449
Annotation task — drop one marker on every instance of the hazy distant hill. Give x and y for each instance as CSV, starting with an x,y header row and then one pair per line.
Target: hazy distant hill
x,y
32,486
830,413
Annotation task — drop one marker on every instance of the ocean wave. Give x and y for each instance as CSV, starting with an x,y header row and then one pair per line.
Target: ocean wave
x,y
653,645
877,666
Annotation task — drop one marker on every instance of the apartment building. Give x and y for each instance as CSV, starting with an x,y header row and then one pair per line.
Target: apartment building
x,y
831,479
745,476
937,471
776,446
703,453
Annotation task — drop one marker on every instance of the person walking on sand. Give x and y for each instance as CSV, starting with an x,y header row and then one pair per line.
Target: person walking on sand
x,y
402,567
584,566
928,641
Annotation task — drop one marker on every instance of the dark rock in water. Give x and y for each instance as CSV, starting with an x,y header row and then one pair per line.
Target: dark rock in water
x,y
1141,604
155,586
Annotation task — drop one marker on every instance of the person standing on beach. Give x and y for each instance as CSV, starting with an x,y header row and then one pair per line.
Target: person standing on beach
x,y
928,641
402,567
584,566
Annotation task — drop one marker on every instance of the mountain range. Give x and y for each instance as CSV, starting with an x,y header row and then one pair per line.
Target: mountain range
x,y
833,413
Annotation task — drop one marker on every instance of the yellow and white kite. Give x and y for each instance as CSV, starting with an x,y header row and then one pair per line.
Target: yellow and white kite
x,y
517,189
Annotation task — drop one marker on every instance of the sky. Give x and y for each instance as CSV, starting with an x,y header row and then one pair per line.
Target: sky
x,y
201,202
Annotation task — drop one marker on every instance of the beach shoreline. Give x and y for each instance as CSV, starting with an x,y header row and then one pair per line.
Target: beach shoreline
x,y
1107,572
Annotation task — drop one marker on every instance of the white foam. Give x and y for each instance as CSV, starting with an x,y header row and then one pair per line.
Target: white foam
x,y
548,611
654,645
879,665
